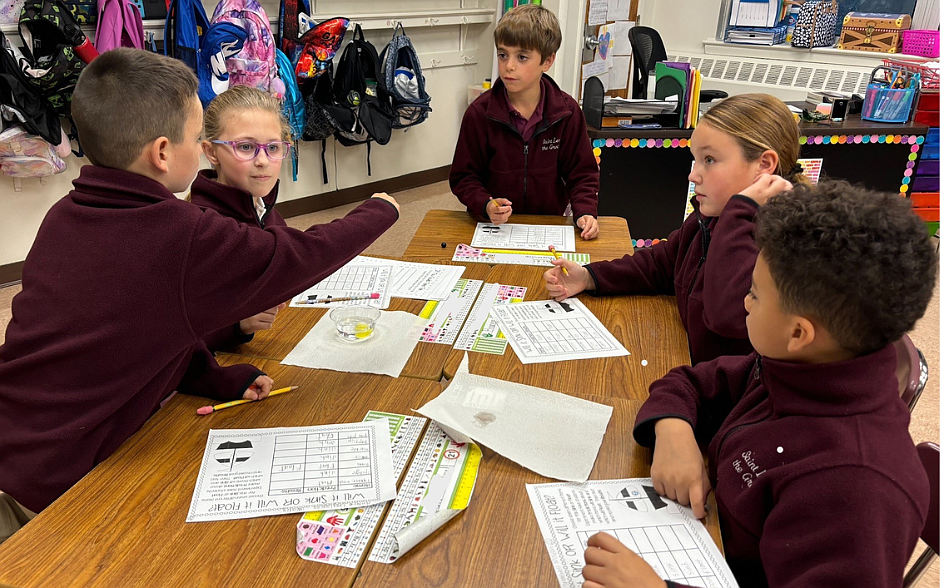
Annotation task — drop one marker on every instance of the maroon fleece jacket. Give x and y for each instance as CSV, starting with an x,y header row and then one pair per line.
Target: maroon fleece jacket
x,y
121,284
207,192
707,264
816,478
555,167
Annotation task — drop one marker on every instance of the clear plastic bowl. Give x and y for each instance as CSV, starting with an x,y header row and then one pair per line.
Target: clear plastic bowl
x,y
355,323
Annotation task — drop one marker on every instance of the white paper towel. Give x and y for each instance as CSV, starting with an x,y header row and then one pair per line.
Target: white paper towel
x,y
385,352
552,434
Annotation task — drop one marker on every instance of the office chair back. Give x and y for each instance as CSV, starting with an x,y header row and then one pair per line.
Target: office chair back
x,y
911,371
929,454
648,49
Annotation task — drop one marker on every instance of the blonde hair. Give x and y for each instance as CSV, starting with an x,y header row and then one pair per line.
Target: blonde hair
x,y
530,27
758,123
240,98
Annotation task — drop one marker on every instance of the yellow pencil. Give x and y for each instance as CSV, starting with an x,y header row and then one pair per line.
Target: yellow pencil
x,y
210,409
557,256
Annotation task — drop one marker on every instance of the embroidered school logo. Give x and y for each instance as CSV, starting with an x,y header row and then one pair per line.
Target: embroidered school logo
x,y
748,468
550,144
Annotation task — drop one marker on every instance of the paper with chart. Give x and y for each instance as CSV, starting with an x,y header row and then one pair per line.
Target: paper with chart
x,y
513,236
340,537
522,423
445,318
545,330
421,281
466,254
259,472
351,280
437,487
754,13
662,532
481,331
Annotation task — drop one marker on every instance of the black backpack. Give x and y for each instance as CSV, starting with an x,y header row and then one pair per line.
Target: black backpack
x,y
21,100
50,35
359,90
319,125
410,100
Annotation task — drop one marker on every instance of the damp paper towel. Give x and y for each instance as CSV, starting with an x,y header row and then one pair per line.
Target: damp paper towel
x,y
385,352
522,423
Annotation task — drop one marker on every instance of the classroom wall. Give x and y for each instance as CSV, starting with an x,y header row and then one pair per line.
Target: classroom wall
x,y
424,147
683,24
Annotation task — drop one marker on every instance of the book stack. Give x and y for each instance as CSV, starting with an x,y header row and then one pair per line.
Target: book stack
x,y
682,83
757,35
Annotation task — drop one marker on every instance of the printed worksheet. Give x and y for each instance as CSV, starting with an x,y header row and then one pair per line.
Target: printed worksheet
x,y
259,472
340,537
662,532
466,254
421,281
481,331
366,285
437,487
545,330
445,318
513,236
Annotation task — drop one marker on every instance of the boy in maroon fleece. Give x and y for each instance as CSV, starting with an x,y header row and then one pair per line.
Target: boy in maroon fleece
x,y
124,281
745,151
816,479
523,145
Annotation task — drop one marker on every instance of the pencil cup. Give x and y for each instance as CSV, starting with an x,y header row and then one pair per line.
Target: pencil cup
x,y
884,104
355,323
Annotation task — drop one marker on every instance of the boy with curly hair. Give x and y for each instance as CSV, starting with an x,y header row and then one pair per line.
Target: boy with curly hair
x,y
816,478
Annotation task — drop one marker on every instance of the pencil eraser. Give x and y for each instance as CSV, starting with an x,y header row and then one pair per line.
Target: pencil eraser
x,y
204,410
374,295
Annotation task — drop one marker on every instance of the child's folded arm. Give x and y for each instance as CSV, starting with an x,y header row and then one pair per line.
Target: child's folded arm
x,y
205,377
471,164
233,270
578,167
227,337
839,527
702,395
647,271
728,266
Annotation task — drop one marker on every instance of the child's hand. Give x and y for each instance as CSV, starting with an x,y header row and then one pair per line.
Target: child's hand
x,y
498,210
678,470
387,198
261,321
589,227
610,564
765,187
259,389
561,286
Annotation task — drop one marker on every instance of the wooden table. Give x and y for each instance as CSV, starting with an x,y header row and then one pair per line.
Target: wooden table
x,y
124,523
452,227
648,326
496,541
292,324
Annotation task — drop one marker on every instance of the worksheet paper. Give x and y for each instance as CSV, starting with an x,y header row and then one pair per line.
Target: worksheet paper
x,y
340,537
249,473
597,14
754,13
437,488
420,281
513,236
522,423
445,318
466,254
349,280
661,531
481,331
545,330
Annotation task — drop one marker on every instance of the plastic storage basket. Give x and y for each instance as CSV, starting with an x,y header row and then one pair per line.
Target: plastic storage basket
x,y
920,42
886,103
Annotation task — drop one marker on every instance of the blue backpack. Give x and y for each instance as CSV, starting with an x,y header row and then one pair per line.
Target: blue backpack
x,y
221,41
404,81
186,24
293,103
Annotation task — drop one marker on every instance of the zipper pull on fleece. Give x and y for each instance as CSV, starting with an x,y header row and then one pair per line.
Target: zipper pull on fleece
x,y
757,368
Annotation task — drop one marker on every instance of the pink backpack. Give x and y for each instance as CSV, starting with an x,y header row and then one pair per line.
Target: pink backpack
x,y
254,64
119,25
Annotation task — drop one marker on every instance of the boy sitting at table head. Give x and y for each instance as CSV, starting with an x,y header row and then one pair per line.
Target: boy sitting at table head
x,y
124,280
523,146
816,478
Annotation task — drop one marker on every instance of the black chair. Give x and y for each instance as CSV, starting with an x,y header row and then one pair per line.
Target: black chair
x,y
648,50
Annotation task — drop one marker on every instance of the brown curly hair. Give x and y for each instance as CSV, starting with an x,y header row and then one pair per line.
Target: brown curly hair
x,y
858,261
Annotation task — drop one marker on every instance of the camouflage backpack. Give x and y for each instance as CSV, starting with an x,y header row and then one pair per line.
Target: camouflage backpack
x,y
50,35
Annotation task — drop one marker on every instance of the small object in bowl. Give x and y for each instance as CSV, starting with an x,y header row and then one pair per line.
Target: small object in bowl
x,y
355,323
